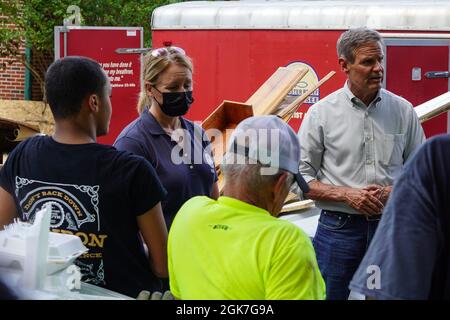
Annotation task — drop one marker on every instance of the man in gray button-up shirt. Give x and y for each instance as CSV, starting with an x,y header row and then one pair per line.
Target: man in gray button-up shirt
x,y
354,143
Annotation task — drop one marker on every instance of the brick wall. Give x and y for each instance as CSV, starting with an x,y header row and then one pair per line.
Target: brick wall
x,y
12,79
41,62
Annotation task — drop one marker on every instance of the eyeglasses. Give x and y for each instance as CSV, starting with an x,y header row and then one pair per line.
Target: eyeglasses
x,y
166,51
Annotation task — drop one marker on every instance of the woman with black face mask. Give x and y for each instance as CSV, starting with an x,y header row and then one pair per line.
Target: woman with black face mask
x,y
177,148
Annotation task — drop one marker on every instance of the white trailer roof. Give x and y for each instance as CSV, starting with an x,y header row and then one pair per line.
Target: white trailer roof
x,y
424,15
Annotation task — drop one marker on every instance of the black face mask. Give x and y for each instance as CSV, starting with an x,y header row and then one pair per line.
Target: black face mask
x,y
175,103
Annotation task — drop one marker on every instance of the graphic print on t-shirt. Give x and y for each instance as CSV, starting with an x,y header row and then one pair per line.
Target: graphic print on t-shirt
x,y
74,211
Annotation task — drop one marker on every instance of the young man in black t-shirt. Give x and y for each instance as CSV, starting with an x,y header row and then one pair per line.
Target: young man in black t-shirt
x,y
104,196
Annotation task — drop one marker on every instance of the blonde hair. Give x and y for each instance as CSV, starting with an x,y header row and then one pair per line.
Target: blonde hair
x,y
154,66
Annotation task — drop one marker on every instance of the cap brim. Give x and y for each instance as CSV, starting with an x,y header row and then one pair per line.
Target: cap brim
x,y
301,182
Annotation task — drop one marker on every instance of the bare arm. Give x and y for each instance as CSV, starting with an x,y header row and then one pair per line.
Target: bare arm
x,y
8,209
359,199
154,231
382,193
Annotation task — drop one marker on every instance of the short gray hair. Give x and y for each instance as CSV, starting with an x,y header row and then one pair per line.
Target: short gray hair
x,y
249,175
352,39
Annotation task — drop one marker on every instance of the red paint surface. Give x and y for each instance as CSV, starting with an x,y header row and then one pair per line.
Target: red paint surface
x,y
232,64
100,45
399,64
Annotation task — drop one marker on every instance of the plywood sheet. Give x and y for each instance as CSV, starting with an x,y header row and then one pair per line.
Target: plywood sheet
x,y
30,113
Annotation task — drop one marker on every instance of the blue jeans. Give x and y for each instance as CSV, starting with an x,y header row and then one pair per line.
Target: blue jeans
x,y
340,243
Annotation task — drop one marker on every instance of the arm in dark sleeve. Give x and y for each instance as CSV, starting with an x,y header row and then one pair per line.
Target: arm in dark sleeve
x,y
8,208
6,174
146,188
401,258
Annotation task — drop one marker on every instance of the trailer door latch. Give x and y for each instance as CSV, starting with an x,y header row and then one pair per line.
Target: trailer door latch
x,y
436,74
132,50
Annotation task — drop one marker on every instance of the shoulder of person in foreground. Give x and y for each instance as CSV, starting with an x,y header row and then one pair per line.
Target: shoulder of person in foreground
x,y
294,273
401,262
192,206
6,292
183,221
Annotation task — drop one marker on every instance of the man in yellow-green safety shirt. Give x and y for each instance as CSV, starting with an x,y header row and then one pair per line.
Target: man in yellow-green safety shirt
x,y
235,247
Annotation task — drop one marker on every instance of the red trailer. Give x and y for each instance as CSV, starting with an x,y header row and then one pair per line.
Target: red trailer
x,y
237,45
101,44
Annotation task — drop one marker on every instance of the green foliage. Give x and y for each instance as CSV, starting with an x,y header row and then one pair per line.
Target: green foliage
x,y
135,13
36,19
34,22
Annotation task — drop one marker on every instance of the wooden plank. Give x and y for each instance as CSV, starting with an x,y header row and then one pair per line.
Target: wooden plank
x,y
227,112
296,206
434,107
287,113
4,157
30,113
291,197
272,92
220,182
224,118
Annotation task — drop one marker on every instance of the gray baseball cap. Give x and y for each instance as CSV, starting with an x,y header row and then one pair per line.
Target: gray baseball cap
x,y
270,141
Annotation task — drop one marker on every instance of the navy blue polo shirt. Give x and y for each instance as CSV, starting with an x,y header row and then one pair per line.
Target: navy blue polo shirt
x,y
185,170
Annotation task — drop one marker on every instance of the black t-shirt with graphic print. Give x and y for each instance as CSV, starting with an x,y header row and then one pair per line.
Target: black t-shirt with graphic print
x,y
96,192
